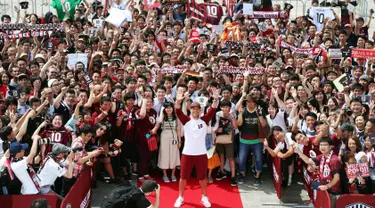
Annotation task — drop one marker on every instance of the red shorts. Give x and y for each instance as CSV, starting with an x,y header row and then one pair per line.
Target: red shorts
x,y
200,162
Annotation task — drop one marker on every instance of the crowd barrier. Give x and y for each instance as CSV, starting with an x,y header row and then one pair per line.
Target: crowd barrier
x,y
78,196
321,199
356,201
18,201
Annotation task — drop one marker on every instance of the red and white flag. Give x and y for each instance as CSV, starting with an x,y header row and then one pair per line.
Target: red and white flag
x,y
229,5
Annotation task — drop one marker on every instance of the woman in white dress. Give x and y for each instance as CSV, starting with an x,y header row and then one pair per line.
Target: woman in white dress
x,y
170,141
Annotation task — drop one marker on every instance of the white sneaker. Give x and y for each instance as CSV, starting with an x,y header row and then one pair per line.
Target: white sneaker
x,y
179,202
205,201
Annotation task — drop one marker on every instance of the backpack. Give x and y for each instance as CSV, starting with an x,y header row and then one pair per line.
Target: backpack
x,y
121,196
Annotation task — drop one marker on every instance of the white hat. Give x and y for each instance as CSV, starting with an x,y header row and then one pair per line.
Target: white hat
x,y
39,55
359,156
51,81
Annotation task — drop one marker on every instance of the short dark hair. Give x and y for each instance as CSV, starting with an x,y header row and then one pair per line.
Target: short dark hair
x,y
23,90
70,91
311,114
161,87
105,99
130,79
5,16
226,88
86,129
34,100
5,132
10,101
129,96
149,186
225,103
356,100
142,77
326,139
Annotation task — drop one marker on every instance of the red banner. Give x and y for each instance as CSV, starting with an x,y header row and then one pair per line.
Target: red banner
x,y
80,194
363,53
321,199
356,200
17,201
276,173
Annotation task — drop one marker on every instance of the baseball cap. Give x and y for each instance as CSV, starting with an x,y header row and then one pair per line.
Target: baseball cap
x,y
59,148
50,82
347,25
365,77
195,104
347,127
359,156
41,56
332,72
16,147
234,55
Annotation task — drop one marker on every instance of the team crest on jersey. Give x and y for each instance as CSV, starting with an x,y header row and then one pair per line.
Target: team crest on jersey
x,y
152,120
358,205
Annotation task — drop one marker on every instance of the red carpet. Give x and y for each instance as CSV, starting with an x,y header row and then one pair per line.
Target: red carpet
x,y
220,193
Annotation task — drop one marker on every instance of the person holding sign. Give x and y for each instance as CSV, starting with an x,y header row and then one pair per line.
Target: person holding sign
x,y
328,165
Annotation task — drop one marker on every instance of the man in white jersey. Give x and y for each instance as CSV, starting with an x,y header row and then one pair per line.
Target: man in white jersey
x,y
21,166
319,14
195,152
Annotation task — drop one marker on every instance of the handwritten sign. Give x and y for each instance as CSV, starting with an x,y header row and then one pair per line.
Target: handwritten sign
x,y
117,17
341,82
355,170
248,8
73,58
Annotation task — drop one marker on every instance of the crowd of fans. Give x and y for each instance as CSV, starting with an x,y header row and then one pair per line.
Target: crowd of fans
x,y
57,118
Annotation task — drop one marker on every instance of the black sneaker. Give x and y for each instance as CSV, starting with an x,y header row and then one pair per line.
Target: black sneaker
x,y
233,181
257,182
220,176
242,179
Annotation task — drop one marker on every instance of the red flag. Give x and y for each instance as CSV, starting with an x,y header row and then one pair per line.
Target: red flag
x,y
194,36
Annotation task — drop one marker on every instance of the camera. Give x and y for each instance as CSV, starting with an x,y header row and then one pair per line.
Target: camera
x,y
76,149
348,112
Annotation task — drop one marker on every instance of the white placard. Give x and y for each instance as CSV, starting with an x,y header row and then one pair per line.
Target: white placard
x,y
117,17
351,8
278,63
248,8
73,58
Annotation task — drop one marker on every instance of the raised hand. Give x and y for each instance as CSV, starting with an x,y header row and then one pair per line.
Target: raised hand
x,y
215,93
180,97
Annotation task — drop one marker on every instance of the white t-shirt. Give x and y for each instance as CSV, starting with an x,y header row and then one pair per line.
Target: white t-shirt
x,y
50,172
318,14
1,148
279,120
288,141
20,170
195,143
